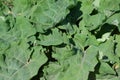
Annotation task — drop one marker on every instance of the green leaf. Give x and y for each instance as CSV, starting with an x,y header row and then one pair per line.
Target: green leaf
x,y
76,65
114,78
3,27
118,45
23,27
63,53
82,68
84,39
109,5
106,69
80,40
55,38
107,49
47,11
96,3
52,71
17,64
20,7
4,45
93,22
59,39
87,7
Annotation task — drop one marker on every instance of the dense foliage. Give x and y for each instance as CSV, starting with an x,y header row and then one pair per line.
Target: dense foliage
x,y
59,39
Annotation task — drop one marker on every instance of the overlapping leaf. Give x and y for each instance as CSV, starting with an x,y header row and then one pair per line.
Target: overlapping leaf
x,y
49,11
17,64
71,65
59,40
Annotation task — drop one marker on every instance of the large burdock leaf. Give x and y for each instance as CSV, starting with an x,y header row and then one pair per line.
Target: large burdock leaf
x,y
88,63
47,13
76,67
19,63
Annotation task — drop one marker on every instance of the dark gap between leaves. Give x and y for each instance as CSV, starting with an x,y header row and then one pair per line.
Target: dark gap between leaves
x,y
4,57
63,30
47,32
61,45
30,45
86,47
104,57
78,22
104,29
97,67
92,74
49,54
115,46
71,41
31,55
94,12
37,35
115,31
